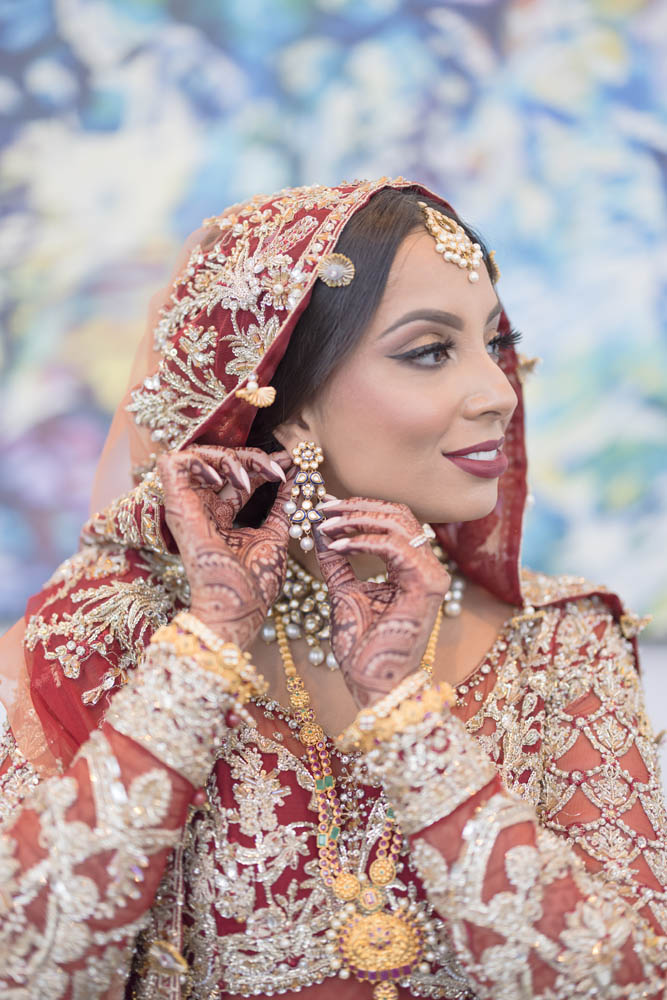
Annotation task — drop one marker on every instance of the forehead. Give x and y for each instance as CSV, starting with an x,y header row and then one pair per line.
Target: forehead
x,y
420,277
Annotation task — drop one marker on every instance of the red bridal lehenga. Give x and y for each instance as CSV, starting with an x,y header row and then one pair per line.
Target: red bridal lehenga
x,y
532,860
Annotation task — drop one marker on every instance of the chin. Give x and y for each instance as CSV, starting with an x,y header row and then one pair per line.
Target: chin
x,y
465,509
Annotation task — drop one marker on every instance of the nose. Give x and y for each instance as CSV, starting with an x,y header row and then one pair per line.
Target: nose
x,y
489,393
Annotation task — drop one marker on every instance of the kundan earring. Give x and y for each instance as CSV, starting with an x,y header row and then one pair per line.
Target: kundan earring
x,y
308,489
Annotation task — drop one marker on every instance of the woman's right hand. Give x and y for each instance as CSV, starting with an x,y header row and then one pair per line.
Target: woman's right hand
x,y
235,574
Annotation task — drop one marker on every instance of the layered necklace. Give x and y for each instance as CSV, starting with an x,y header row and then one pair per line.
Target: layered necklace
x,y
304,605
368,938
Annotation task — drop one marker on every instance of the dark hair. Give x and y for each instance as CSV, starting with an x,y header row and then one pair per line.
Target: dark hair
x,y
335,318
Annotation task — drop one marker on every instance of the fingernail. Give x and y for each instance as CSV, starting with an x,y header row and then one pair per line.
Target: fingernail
x,y
245,479
331,522
212,475
321,543
327,504
278,471
207,473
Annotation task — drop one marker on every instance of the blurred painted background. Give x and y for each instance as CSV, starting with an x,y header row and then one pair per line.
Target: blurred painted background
x,y
125,123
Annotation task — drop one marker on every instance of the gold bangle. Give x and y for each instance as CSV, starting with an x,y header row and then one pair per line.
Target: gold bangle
x,y
189,637
372,726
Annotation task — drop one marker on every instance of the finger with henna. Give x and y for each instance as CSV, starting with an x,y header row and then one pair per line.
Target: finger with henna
x,y
336,569
222,460
278,516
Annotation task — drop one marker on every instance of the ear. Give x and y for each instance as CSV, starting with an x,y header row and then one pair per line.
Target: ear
x,y
297,428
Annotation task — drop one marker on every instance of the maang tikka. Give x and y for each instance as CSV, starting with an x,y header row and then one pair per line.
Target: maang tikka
x,y
308,489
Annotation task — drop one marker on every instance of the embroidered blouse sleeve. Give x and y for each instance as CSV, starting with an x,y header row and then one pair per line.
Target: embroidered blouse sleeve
x,y
81,859
602,789
529,914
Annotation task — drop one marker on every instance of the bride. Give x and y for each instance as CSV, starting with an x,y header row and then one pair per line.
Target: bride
x,y
294,718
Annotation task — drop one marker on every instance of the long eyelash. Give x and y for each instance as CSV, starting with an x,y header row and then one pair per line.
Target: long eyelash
x,y
439,347
503,340
443,347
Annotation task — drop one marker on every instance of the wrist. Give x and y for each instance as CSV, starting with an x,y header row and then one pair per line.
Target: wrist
x,y
242,632
175,710
193,638
429,765
410,702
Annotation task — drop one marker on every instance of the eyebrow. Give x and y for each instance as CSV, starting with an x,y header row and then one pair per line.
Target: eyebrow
x,y
436,316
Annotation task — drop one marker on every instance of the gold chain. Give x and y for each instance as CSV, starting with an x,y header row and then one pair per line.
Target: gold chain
x,y
364,918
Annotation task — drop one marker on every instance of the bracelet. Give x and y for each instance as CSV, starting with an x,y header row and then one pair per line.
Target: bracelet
x,y
188,636
406,705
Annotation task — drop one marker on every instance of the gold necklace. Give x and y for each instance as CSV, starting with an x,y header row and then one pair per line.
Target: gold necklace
x,y
372,942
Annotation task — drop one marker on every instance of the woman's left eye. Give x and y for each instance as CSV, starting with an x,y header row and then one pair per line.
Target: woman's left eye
x,y
502,340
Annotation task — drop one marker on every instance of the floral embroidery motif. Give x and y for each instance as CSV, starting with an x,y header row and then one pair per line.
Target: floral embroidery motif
x,y
133,521
17,775
249,346
257,793
257,272
557,679
112,618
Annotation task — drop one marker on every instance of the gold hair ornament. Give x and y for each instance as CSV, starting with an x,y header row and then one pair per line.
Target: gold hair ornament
x,y
256,394
335,269
452,241
495,270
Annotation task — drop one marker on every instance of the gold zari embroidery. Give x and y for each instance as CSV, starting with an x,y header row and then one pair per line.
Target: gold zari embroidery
x,y
17,775
428,770
583,957
539,657
248,272
190,639
113,617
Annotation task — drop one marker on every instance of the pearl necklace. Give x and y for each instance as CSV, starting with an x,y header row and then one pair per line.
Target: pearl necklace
x,y
304,605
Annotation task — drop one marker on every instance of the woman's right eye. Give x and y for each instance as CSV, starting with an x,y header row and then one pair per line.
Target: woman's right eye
x,y
438,351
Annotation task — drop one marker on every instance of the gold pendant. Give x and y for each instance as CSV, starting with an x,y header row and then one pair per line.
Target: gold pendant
x,y
377,945
380,947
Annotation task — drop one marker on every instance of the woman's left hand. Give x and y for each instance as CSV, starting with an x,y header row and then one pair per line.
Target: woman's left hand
x,y
379,631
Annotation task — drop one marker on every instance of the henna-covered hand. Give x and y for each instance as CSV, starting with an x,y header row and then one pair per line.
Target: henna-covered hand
x,y
235,574
379,631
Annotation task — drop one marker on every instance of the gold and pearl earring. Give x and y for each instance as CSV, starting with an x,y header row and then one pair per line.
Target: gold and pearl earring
x,y
307,491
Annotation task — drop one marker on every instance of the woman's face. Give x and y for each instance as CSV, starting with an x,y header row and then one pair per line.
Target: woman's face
x,y
392,411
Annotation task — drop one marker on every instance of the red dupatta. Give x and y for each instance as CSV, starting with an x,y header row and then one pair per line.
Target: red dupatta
x,y
225,321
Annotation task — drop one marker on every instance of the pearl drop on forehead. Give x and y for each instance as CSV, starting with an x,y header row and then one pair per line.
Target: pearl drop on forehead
x,y
454,244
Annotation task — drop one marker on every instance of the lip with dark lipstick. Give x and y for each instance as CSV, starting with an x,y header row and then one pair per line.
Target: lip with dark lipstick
x,y
486,466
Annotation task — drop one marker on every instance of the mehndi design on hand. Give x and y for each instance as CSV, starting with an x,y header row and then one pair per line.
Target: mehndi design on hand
x,y
235,574
379,631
